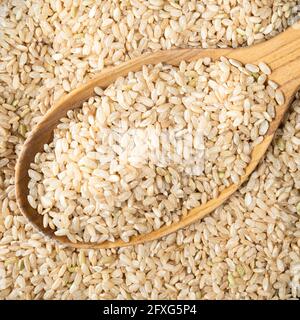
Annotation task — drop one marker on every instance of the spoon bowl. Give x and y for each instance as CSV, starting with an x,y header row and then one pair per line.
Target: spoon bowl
x,y
282,54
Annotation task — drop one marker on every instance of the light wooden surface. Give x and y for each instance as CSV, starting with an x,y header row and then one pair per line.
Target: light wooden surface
x,y
281,53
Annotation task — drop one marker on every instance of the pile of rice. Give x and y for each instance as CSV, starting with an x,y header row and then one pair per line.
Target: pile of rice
x,y
246,249
151,146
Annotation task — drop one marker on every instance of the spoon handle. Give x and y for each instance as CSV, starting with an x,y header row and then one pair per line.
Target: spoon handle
x,y
284,59
282,54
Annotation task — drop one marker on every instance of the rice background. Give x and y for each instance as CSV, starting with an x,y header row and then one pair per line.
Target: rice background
x,y
246,249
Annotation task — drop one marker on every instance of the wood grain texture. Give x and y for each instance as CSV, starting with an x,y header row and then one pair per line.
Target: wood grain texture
x,y
281,53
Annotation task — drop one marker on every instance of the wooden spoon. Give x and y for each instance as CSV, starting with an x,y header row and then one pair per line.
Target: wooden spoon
x,y
282,54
